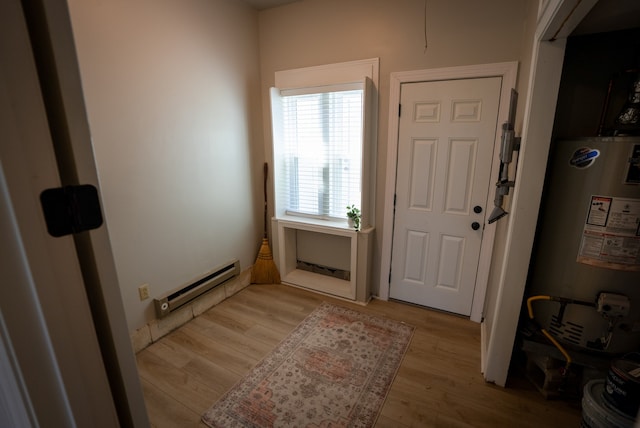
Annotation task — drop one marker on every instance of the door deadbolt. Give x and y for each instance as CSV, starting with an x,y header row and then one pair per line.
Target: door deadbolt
x,y
477,209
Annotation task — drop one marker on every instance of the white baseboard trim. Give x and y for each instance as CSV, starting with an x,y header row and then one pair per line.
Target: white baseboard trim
x,y
158,328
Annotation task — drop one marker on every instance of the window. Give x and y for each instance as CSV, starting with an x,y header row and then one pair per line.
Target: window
x,y
321,151
323,121
319,143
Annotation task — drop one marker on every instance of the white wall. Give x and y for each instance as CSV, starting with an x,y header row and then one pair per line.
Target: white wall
x,y
315,32
171,90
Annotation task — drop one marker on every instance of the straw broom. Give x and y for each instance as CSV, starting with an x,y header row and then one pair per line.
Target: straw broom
x,y
264,270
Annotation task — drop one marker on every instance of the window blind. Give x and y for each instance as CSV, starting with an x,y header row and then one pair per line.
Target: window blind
x,y
321,151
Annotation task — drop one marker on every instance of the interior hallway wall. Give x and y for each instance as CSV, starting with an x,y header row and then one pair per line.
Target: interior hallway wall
x,y
171,91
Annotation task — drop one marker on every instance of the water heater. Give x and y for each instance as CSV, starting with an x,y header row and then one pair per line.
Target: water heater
x,y
588,245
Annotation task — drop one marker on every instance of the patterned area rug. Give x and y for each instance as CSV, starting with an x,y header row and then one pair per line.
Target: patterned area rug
x,y
334,370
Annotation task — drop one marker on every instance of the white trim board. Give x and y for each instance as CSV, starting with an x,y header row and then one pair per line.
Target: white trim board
x,y
557,18
329,74
508,72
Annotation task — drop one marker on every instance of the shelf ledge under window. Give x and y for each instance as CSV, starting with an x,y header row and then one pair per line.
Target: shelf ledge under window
x,y
354,248
315,222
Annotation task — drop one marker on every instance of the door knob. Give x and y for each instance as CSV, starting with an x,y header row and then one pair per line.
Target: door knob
x,y
475,225
477,209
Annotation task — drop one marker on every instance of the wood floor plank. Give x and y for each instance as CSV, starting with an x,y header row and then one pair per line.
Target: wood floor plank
x,y
295,303
438,384
165,412
275,309
177,383
245,309
198,366
249,317
232,338
212,375
385,422
201,344
307,300
265,334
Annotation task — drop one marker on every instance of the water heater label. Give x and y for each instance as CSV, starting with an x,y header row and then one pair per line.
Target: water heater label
x,y
584,157
611,234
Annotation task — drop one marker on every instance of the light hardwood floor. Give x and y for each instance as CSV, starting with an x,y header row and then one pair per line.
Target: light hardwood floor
x,y
439,383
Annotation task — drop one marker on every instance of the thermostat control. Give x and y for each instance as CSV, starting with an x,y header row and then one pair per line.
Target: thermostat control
x,y
613,305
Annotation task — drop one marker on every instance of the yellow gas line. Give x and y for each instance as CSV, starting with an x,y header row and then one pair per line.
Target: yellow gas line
x,y
545,332
532,299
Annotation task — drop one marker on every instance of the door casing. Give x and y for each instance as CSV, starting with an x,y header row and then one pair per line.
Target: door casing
x,y
49,272
556,21
508,72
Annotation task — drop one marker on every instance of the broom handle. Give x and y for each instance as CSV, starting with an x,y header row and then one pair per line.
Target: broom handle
x,y
266,173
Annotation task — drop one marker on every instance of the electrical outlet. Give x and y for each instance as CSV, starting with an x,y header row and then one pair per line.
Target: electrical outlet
x,y
143,291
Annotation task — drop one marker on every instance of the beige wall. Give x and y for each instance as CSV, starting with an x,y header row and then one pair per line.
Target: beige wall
x,y
315,32
171,90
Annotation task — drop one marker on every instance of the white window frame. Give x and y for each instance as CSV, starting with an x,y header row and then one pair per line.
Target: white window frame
x,y
334,75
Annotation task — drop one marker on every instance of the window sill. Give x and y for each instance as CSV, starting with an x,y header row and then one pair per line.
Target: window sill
x,y
339,225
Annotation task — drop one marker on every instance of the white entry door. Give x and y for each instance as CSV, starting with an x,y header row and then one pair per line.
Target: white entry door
x,y
447,131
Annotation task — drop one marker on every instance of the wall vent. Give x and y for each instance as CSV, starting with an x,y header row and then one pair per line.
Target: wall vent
x,y
174,299
324,270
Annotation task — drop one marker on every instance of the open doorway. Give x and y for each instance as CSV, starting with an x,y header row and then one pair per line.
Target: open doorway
x,y
557,23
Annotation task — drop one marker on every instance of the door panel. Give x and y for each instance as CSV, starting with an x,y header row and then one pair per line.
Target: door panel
x,y
417,247
422,174
460,168
451,258
445,146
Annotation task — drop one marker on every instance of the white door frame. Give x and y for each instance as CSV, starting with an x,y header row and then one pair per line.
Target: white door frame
x,y
61,373
508,72
556,21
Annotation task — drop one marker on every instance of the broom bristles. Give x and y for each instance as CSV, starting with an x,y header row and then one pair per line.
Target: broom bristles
x,y
264,270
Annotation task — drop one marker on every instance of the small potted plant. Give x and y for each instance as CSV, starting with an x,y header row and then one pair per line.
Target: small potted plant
x,y
353,216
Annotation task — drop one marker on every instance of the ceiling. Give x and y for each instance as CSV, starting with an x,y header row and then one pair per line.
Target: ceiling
x,y
606,15
267,4
610,15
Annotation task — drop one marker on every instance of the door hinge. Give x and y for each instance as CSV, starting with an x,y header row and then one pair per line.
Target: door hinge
x,y
399,110
71,209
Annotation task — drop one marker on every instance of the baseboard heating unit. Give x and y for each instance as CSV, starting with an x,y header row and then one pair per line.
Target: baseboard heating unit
x,y
174,299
